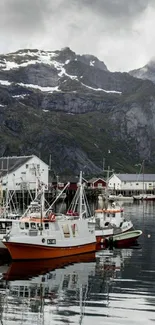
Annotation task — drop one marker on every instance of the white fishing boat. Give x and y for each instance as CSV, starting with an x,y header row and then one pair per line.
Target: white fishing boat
x,y
107,221
110,221
51,238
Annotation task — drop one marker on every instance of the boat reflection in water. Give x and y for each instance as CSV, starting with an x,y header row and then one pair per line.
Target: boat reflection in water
x,y
61,290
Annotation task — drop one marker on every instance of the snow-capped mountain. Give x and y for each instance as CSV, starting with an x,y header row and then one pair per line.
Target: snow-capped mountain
x,y
72,107
51,71
146,72
59,71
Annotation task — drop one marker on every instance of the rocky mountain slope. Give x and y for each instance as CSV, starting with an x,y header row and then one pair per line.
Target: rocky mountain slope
x,y
72,108
146,72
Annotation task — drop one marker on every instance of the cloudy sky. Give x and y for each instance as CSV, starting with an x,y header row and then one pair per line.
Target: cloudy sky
x,y
119,32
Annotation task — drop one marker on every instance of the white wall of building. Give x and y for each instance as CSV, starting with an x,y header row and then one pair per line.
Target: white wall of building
x,y
25,176
117,184
114,183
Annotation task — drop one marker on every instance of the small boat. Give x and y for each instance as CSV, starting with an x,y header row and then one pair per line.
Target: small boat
x,y
144,197
50,237
123,240
120,197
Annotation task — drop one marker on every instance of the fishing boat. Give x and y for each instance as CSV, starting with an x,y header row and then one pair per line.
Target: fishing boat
x,y
107,221
32,213
110,221
51,237
123,240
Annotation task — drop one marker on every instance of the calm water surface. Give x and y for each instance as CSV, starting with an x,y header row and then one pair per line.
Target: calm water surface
x,y
109,287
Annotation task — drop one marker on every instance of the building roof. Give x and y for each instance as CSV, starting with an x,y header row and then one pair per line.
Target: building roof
x,y
65,179
10,164
95,179
136,177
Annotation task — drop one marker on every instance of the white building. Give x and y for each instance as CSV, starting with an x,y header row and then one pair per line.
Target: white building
x,y
132,182
22,172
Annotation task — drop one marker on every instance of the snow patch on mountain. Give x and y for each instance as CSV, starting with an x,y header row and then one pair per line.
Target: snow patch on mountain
x,y
5,82
48,89
92,63
20,96
100,89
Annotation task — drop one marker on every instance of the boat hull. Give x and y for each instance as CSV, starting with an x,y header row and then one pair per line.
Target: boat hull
x,y
123,240
100,239
21,251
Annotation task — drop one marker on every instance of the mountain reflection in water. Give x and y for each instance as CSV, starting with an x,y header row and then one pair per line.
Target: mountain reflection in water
x,y
109,287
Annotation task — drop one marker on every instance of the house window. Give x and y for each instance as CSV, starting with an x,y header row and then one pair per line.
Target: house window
x,y
137,183
124,182
27,166
23,172
99,185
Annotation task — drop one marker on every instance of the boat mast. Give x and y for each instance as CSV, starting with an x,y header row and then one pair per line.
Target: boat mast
x,y
7,189
143,174
42,207
80,198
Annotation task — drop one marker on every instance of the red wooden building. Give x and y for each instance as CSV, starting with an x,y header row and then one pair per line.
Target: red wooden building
x,y
96,183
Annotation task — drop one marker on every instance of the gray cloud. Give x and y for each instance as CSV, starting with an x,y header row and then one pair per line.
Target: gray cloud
x,y
119,32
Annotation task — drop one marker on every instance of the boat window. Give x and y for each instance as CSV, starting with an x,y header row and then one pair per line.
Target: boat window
x,y
21,225
108,215
2,225
113,215
74,229
65,229
46,225
38,225
26,225
33,225
8,224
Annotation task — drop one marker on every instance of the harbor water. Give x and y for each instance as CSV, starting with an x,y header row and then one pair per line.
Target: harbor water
x,y
108,287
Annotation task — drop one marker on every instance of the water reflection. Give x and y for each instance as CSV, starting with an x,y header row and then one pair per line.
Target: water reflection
x,y
109,287
45,291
